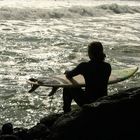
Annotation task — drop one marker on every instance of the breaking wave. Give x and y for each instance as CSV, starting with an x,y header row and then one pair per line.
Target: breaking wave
x,y
71,12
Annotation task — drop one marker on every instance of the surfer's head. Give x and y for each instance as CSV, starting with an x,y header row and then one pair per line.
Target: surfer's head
x,y
95,51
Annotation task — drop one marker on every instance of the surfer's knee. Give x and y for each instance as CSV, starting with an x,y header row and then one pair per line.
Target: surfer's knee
x,y
66,91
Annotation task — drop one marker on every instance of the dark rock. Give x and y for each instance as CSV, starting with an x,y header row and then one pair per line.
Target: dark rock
x,y
8,137
115,117
7,128
109,118
38,131
50,119
22,133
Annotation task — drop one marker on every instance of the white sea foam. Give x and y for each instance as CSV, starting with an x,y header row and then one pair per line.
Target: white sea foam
x,y
10,13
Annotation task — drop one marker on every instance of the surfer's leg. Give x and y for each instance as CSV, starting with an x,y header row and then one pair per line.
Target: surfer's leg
x,y
72,93
67,99
78,95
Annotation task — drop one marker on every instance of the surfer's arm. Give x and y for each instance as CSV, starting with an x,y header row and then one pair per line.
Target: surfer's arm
x,y
68,75
74,72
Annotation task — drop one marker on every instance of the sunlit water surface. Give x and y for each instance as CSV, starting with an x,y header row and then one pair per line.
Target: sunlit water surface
x,y
42,38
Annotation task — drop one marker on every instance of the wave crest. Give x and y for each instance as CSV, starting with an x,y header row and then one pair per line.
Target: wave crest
x,y
71,12
119,9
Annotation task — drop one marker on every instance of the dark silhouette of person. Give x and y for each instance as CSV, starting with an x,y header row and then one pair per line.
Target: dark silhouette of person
x,y
96,73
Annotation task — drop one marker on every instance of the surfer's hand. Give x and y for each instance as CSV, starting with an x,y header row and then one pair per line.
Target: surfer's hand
x,y
67,73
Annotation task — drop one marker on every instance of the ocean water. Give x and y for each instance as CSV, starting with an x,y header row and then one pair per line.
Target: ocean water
x,y
47,37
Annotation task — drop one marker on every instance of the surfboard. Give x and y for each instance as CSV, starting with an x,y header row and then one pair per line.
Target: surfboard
x,y
78,81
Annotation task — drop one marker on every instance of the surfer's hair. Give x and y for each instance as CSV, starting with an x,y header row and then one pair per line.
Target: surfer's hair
x,y
95,51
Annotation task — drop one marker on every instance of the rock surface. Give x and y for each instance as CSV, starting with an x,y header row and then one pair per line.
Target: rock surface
x,y
114,117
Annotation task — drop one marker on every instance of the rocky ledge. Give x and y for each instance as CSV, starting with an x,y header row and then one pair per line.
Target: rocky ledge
x,y
114,117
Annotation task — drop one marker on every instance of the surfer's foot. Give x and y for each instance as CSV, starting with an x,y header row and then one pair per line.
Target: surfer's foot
x,y
34,87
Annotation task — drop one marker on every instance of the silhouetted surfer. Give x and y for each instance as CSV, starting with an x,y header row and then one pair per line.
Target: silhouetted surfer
x,y
96,73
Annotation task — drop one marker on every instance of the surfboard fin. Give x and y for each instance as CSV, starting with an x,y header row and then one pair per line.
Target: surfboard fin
x,y
33,88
